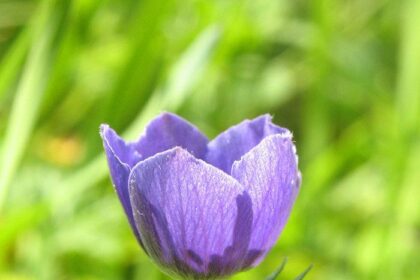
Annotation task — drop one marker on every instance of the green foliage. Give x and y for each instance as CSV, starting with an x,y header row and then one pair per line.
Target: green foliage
x,y
342,75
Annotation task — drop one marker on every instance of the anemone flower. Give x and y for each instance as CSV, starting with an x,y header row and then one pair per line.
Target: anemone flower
x,y
205,209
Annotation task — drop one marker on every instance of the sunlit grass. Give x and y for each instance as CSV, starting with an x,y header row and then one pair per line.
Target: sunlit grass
x,y
343,75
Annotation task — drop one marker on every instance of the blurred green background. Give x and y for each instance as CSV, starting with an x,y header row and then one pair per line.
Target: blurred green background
x,y
344,76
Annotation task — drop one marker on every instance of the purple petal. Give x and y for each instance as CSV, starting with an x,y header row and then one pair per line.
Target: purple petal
x,y
168,131
120,155
232,144
194,219
164,132
270,175
125,151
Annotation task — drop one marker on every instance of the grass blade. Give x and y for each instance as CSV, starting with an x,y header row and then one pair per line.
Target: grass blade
x,y
11,64
276,273
183,76
408,83
303,274
27,101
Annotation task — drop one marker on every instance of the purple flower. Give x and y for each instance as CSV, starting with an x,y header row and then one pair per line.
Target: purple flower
x,y
205,209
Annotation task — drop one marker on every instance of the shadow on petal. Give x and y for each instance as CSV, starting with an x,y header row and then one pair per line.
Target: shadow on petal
x,y
238,256
187,263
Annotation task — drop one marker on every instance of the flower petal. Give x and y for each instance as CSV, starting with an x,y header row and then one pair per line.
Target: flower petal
x,y
194,219
232,144
168,131
119,155
270,175
125,151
